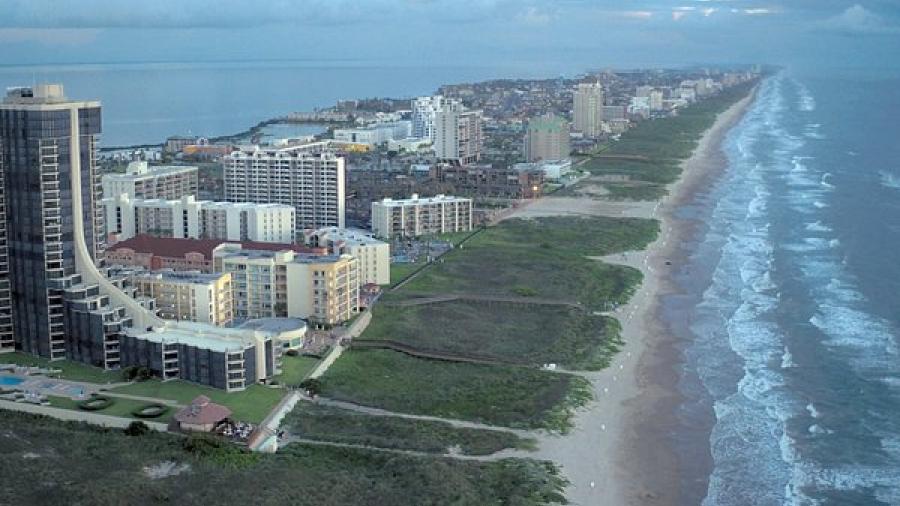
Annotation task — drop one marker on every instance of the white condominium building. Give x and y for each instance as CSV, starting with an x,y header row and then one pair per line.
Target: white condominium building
x,y
419,216
457,134
311,182
372,255
424,110
141,181
199,219
588,109
376,133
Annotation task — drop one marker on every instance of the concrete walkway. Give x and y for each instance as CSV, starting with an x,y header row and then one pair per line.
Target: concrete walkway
x,y
80,416
290,438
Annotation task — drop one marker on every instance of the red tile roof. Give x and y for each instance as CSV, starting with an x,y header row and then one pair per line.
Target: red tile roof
x,y
202,412
177,248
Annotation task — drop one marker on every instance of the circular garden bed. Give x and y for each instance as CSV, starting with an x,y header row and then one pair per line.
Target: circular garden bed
x,y
96,403
150,411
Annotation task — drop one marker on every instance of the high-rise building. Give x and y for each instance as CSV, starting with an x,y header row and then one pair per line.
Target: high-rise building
x,y
142,181
56,300
424,110
547,138
588,109
199,219
457,134
311,182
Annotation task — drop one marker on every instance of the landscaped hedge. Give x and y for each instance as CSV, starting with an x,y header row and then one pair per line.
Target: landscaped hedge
x,y
95,403
150,411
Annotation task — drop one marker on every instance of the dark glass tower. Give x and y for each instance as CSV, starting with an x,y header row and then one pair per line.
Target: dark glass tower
x,y
41,133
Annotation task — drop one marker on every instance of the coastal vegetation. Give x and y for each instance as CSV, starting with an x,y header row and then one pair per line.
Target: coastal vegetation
x,y
82,464
324,423
652,152
501,395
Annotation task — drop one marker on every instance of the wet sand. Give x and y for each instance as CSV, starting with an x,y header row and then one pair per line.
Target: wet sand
x,y
620,451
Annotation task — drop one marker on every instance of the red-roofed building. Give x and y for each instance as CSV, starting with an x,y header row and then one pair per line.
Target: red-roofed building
x,y
155,253
201,415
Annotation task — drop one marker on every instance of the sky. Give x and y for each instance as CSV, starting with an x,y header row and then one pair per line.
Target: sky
x,y
557,34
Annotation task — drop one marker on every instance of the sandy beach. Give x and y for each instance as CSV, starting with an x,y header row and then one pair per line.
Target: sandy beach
x,y
618,453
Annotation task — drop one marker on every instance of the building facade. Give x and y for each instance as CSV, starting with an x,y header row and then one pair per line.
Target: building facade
x,y
490,182
188,296
457,134
203,219
587,109
420,216
547,138
373,257
310,182
375,134
424,110
142,181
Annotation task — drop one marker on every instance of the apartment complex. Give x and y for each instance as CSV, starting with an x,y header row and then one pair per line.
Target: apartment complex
x,y
373,256
424,110
458,137
310,182
188,296
55,300
490,182
142,181
323,289
588,109
155,253
416,216
375,134
203,219
547,138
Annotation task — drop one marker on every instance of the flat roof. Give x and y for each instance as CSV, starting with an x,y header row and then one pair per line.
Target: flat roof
x,y
202,335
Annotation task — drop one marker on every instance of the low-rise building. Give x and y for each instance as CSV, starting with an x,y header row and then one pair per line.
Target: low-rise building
x,y
416,216
490,182
553,170
201,415
190,296
155,253
199,219
375,134
373,256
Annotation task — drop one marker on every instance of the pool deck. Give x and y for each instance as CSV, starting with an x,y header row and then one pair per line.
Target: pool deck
x,y
43,385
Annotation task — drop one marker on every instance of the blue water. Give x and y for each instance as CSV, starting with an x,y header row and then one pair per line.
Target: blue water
x,y
147,102
794,337
10,380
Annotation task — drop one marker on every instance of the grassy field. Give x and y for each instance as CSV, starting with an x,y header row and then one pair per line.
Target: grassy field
x,y
400,270
295,369
517,333
311,421
251,405
544,257
507,396
80,464
120,407
74,371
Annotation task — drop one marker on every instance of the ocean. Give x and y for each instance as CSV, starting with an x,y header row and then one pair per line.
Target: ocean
x,y
143,103
791,303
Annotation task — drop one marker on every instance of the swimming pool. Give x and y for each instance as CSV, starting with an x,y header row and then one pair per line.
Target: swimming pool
x,y
10,380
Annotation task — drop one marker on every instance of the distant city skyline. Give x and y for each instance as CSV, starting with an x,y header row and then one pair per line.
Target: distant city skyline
x,y
562,36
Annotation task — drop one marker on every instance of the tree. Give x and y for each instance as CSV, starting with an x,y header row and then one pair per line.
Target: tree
x,y
312,386
136,428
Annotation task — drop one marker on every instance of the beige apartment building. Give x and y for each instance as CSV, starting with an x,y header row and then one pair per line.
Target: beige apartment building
x,y
416,216
188,296
547,138
267,284
373,256
587,110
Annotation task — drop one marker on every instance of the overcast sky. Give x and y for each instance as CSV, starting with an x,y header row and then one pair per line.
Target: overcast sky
x,y
557,34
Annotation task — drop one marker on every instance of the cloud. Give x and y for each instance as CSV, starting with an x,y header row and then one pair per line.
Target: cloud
x,y
637,14
857,20
534,16
47,36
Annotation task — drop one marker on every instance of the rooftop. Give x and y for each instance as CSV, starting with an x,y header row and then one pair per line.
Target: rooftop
x,y
202,335
143,170
415,199
178,248
202,411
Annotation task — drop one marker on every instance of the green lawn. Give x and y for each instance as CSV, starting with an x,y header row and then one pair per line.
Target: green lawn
x,y
74,371
517,333
251,405
120,407
507,396
295,369
45,462
312,421
399,271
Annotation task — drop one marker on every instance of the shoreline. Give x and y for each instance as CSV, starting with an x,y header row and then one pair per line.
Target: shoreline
x,y
623,436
